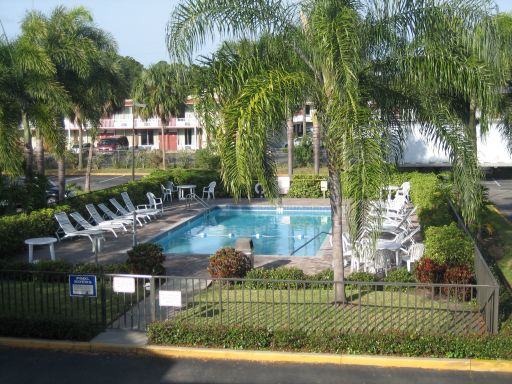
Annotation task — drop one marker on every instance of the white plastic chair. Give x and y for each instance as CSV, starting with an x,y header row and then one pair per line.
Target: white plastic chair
x,y
166,193
141,208
172,187
88,226
414,253
210,190
155,202
110,214
66,230
99,220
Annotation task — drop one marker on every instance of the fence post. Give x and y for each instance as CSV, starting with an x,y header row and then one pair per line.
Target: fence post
x,y
103,295
152,297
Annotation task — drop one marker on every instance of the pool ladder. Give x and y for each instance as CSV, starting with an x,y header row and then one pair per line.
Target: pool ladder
x,y
193,196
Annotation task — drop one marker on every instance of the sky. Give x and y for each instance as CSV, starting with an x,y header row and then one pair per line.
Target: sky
x,y
138,26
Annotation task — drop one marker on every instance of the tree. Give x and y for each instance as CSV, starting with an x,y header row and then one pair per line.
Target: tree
x,y
365,64
74,44
164,91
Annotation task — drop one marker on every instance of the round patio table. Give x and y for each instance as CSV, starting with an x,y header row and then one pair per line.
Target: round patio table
x,y
40,241
181,190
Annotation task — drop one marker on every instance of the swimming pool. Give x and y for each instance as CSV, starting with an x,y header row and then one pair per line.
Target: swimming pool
x,y
277,232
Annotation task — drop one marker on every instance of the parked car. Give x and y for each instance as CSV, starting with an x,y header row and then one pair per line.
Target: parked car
x,y
109,144
13,189
85,148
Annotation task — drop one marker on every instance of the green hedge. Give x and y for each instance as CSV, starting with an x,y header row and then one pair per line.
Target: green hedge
x,y
421,345
449,245
15,229
306,186
428,195
48,328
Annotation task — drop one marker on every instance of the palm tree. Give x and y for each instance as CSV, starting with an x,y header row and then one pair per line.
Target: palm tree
x,y
33,89
365,64
164,91
74,44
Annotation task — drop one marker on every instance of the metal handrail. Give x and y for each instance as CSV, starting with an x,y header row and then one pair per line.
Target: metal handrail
x,y
309,241
193,196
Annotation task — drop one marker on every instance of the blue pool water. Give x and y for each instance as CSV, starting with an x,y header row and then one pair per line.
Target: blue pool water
x,y
273,233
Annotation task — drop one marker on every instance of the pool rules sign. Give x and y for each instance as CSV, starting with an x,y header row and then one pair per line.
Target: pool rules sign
x,y
82,286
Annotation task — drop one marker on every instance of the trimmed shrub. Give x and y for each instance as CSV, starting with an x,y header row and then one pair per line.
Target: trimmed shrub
x,y
459,274
303,153
280,273
360,277
146,259
400,275
448,245
207,159
229,263
428,271
403,344
306,186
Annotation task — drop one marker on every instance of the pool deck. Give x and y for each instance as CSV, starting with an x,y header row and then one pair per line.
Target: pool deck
x,y
114,249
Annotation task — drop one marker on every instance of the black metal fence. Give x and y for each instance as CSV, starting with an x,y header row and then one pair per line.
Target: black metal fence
x,y
133,301
488,301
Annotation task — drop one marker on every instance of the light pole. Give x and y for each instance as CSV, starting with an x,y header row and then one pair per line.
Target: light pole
x,y
135,104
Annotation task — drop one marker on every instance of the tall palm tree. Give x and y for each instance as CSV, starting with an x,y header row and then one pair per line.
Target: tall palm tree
x,y
362,62
73,43
162,87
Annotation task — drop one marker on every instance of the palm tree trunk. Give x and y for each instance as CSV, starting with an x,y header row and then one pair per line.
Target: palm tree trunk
x,y
304,123
316,144
87,185
80,144
289,132
61,174
471,127
162,144
29,152
337,229
40,154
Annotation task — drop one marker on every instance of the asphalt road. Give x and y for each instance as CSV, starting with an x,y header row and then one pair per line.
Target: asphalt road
x,y
53,367
500,193
97,182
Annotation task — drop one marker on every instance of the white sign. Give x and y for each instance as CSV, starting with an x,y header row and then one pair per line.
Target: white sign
x,y
169,298
124,284
323,185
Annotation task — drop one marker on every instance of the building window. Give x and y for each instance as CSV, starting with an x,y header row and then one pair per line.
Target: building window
x,y
146,137
188,136
308,110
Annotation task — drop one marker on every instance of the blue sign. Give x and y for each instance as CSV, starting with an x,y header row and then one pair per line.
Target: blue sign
x,y
82,285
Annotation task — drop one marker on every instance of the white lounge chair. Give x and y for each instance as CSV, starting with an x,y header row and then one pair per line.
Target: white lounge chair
x,y
86,225
124,212
142,209
210,190
67,230
99,220
113,216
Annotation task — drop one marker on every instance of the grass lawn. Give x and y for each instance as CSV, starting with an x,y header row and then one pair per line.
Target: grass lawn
x,y
499,243
313,309
28,297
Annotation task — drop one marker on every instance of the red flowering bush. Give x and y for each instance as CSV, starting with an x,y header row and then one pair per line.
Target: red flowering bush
x,y
458,275
428,271
227,262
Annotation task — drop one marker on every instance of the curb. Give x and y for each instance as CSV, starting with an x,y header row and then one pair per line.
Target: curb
x,y
440,364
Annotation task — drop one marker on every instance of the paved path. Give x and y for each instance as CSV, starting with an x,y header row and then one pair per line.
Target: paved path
x,y
19,366
500,193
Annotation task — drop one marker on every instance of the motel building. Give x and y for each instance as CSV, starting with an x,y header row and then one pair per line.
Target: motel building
x,y
181,133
